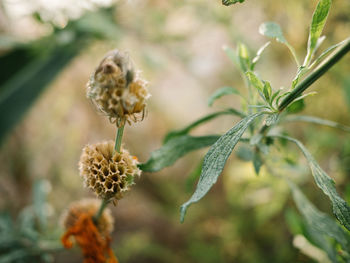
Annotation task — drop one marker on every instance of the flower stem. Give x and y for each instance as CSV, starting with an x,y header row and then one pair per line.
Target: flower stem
x,y
118,139
315,75
103,205
118,143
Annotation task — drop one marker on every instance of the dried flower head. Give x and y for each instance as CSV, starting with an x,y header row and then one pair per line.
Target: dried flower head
x,y
117,90
90,207
93,238
108,173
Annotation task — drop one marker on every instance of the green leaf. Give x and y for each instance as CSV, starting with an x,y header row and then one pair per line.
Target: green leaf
x,y
231,2
232,56
301,71
257,162
243,57
174,149
222,92
318,220
255,81
193,177
316,120
273,30
215,159
318,21
340,208
20,92
258,54
271,119
202,120
326,52
296,106
346,90
41,189
267,91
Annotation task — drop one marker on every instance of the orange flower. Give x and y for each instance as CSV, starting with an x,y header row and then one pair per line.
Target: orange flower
x,y
93,238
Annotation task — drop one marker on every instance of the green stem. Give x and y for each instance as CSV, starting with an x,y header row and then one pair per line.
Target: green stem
x,y
103,205
117,146
315,75
118,139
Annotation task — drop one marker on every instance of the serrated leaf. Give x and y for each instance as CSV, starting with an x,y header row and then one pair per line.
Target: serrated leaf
x,y
318,21
215,160
258,54
340,208
222,92
316,120
321,222
174,149
202,120
231,2
273,30
255,81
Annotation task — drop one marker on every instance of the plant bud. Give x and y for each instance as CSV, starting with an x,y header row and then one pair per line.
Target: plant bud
x,y
117,91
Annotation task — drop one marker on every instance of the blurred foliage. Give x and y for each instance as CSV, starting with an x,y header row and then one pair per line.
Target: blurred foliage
x,y
178,46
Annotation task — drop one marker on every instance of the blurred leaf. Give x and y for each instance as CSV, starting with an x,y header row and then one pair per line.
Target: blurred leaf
x,y
244,153
257,162
340,208
316,120
222,92
174,149
273,30
271,119
301,71
202,120
40,191
321,222
232,56
258,54
296,106
14,256
243,57
267,91
318,21
193,177
231,2
20,92
215,159
346,89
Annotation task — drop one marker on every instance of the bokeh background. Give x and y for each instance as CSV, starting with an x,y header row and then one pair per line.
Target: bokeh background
x,y
178,47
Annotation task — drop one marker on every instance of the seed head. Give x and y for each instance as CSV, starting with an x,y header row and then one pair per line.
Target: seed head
x,y
117,90
109,174
88,207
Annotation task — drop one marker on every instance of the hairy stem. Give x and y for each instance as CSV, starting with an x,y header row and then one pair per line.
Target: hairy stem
x,y
315,75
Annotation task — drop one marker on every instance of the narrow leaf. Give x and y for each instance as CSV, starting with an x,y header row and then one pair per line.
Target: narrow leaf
x,y
258,54
316,120
243,57
273,30
215,160
255,81
202,120
318,21
231,2
174,149
340,208
318,220
222,92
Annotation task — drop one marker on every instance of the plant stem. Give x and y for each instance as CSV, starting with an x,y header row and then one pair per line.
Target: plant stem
x,y
103,205
118,143
118,139
315,75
